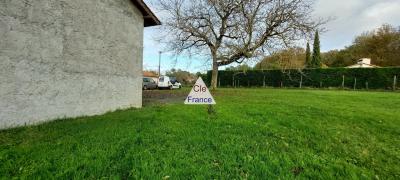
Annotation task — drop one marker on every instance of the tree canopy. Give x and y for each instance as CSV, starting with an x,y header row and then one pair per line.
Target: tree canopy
x,y
184,77
382,45
229,31
316,55
308,55
291,58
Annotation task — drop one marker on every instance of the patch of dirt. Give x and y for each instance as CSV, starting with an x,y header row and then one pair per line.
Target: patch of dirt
x,y
297,170
156,97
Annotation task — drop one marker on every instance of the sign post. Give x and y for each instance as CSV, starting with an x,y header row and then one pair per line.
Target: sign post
x,y
200,95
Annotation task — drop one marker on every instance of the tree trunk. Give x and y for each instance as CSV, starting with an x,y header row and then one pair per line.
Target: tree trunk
x,y
214,77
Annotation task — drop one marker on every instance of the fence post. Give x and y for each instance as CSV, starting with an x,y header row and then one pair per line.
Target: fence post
x,y
281,84
219,82
233,81
264,81
355,83
301,81
394,82
366,85
343,82
320,84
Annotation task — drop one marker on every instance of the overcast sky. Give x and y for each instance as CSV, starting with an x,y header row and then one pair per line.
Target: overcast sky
x,y
351,18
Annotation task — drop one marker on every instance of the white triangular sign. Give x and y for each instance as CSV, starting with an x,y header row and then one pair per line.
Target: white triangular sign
x,y
199,94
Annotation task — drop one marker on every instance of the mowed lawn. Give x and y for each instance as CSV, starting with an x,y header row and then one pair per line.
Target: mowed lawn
x,y
255,134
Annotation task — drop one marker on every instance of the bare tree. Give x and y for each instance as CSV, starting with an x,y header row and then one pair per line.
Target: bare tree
x,y
231,31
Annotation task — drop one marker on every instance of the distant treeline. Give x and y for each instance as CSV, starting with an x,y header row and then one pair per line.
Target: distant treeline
x,y
382,45
358,78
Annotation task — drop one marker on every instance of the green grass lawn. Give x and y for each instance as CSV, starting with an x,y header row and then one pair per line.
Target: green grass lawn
x,y
256,133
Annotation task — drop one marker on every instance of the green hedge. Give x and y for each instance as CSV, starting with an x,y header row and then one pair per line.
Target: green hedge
x,y
371,78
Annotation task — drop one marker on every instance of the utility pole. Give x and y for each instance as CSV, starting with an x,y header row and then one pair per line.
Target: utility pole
x,y
159,63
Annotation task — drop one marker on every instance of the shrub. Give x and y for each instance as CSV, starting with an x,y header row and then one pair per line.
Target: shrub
x,y
372,78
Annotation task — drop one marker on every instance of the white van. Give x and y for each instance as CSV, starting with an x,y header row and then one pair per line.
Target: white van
x,y
164,82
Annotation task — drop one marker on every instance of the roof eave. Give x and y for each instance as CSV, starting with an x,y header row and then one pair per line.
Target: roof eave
x,y
150,19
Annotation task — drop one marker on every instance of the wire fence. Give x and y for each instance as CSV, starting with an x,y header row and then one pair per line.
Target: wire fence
x,y
343,78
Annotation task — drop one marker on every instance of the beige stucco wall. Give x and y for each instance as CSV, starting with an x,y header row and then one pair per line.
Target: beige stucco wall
x,y
68,58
